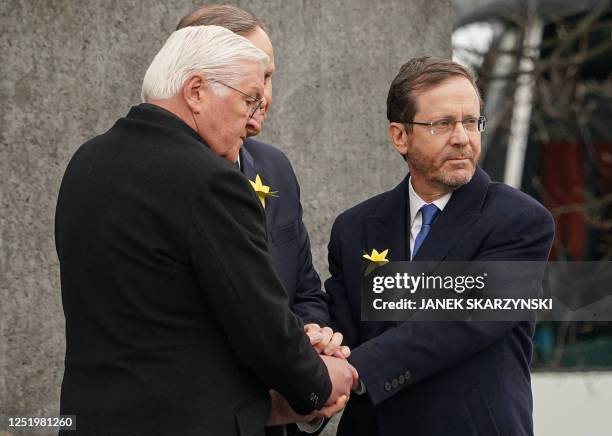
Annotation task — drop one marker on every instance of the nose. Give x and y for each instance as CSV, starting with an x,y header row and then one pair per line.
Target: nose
x,y
459,136
264,106
255,122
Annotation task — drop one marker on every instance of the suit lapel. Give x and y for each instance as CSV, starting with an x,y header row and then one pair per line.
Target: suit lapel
x,y
461,212
250,170
247,164
386,227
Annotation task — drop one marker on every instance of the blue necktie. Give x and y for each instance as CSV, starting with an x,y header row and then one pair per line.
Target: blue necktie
x,y
429,213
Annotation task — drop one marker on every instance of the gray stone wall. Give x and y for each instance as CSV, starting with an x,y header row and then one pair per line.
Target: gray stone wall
x,y
69,69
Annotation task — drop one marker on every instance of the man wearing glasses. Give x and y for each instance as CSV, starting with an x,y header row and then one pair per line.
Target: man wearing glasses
x,y
176,322
288,239
436,378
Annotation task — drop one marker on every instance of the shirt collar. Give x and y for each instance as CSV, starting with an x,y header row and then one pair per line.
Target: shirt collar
x,y
417,202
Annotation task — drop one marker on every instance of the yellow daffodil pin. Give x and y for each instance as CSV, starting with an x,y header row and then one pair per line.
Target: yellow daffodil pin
x,y
376,259
262,190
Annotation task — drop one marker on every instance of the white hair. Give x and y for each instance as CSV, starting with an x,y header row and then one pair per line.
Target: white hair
x,y
213,51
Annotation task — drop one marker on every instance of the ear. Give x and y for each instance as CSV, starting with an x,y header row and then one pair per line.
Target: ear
x,y
399,137
194,92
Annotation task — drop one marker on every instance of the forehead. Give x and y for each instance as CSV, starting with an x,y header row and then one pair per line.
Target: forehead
x,y
260,39
456,94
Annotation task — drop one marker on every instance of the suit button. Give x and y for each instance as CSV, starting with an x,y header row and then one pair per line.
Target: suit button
x,y
387,386
394,383
407,375
401,379
314,398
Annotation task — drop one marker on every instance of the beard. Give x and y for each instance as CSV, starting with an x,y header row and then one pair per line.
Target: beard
x,y
442,176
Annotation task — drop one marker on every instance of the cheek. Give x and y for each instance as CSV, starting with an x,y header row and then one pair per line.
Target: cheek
x,y
437,153
268,94
476,147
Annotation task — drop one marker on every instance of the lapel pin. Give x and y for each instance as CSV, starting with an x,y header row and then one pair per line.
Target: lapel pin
x,y
262,191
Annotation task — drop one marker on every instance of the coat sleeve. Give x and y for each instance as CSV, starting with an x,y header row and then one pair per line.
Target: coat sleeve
x,y
417,349
310,301
228,250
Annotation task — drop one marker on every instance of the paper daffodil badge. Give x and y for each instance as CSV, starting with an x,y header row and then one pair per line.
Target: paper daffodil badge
x,y
262,190
376,259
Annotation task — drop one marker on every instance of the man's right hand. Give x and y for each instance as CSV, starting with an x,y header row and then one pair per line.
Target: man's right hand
x,y
343,376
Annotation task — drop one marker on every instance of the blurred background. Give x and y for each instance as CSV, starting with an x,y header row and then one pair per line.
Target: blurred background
x,y
545,68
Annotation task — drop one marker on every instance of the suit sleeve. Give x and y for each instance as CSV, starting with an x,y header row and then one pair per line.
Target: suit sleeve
x,y
417,350
227,246
339,306
310,302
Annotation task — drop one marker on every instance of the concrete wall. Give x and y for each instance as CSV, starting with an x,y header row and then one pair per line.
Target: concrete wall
x,y
69,69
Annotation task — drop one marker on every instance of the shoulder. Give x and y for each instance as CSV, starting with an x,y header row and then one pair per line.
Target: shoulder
x,y
355,217
503,201
513,226
365,208
264,152
165,155
274,166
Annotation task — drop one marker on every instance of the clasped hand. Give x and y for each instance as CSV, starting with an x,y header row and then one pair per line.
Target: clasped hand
x,y
343,376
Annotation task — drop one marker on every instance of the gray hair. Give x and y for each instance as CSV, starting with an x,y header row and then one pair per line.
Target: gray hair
x,y
231,17
213,51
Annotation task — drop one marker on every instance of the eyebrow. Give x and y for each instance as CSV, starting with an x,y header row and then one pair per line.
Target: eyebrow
x,y
255,92
441,115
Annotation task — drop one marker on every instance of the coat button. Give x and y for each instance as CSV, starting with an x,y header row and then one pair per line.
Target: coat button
x,y
387,386
394,383
407,375
401,379
314,398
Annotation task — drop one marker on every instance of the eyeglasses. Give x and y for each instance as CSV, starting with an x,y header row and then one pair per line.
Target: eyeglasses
x,y
253,103
446,125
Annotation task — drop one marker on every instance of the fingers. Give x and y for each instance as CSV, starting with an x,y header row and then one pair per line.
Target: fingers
x,y
345,351
334,344
326,341
311,327
281,412
356,381
313,331
326,336
354,372
329,411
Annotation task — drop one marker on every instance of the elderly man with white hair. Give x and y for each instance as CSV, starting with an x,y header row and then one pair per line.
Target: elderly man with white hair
x,y
175,320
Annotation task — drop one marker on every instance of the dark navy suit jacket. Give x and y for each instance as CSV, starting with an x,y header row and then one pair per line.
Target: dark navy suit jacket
x,y
288,240
438,378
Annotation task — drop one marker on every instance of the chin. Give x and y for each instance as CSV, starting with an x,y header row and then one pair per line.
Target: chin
x,y
456,179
